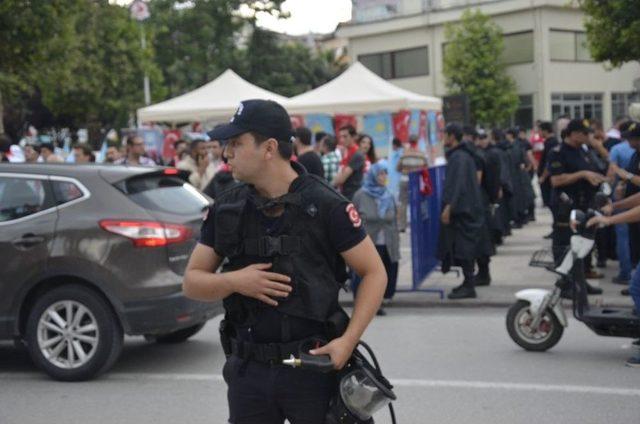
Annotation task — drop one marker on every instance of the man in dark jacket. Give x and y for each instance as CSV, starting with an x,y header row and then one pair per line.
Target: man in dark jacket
x,y
461,223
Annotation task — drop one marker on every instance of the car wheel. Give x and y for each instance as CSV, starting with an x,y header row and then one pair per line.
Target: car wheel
x,y
178,336
72,333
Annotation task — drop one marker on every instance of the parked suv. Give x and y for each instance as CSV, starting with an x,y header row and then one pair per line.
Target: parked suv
x,y
90,252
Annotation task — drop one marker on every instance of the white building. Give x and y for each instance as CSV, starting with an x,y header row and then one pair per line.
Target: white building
x,y
403,40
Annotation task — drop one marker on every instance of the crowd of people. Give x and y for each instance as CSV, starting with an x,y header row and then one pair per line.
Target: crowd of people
x,y
493,171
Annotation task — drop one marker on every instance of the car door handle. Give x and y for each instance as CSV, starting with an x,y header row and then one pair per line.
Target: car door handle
x,y
28,240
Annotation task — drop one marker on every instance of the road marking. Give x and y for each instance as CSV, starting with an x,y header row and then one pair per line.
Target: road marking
x,y
457,384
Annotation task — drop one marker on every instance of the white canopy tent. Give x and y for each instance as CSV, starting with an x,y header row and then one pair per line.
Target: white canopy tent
x,y
217,99
359,91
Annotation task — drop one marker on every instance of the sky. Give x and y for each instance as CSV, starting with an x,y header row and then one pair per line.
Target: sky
x,y
319,16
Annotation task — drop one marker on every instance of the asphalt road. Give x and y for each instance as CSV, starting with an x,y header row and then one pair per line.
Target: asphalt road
x,y
449,365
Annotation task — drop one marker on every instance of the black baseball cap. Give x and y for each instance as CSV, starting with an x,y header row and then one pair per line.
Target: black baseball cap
x,y
579,125
265,117
633,131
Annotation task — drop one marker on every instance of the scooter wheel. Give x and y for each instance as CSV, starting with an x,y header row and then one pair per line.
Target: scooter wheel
x,y
544,337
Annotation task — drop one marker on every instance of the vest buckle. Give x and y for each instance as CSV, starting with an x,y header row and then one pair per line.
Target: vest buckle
x,y
269,246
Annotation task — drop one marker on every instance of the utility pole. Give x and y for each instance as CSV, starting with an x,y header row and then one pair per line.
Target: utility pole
x,y
140,12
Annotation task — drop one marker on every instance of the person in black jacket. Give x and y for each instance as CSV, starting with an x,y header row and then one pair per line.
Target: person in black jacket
x,y
462,225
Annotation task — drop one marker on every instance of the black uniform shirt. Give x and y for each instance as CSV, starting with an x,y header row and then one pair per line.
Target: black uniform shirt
x,y
345,231
565,159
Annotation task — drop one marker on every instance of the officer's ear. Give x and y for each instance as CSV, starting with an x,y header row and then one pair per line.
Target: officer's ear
x,y
271,148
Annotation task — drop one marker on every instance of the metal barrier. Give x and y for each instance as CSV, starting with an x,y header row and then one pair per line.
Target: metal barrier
x,y
425,224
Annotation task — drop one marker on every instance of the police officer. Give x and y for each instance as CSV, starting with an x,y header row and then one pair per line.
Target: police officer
x,y
284,236
574,173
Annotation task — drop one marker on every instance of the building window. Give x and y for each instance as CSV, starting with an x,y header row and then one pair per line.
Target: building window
x,y
518,48
398,64
523,117
577,105
620,103
569,46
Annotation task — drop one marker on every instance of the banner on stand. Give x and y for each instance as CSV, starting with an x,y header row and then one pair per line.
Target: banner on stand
x,y
319,123
432,117
379,127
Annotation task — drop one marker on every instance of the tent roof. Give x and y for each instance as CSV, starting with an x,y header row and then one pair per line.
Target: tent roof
x,y
358,91
217,99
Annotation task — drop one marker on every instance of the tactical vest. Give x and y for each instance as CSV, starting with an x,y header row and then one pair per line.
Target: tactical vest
x,y
300,249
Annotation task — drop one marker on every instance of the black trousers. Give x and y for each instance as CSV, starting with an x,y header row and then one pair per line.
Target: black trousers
x,y
263,394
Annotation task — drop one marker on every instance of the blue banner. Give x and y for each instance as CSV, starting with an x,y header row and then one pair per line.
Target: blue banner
x,y
319,122
432,119
380,127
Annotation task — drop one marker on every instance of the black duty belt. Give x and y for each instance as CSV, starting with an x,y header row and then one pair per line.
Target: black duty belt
x,y
266,353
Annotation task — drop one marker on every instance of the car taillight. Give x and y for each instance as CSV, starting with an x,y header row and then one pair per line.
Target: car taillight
x,y
170,171
148,233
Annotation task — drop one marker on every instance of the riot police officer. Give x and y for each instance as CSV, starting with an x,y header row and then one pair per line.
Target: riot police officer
x,y
284,236
574,173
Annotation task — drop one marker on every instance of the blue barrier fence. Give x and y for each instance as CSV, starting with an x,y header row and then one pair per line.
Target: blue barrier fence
x,y
425,224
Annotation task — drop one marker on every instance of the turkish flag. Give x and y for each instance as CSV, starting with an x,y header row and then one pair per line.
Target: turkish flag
x,y
340,121
401,125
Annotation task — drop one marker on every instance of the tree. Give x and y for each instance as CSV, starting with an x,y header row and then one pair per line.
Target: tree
x,y
613,30
31,34
287,68
196,42
105,69
473,66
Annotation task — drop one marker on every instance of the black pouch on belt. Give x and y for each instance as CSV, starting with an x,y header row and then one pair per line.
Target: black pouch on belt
x,y
337,324
225,337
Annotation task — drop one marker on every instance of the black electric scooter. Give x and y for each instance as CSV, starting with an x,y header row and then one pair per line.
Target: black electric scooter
x,y
537,320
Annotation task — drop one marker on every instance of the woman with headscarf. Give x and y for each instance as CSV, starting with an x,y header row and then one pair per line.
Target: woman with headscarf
x,y
378,211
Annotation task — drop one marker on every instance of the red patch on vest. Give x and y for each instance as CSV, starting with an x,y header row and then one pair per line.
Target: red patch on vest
x,y
354,216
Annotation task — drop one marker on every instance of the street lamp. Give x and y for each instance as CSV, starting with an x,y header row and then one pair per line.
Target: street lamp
x,y
140,11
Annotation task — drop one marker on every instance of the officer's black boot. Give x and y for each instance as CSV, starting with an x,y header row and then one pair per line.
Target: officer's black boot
x,y
483,278
466,290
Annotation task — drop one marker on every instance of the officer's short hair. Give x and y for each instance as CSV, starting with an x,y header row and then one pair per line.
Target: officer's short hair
x,y
304,135
352,131
469,130
455,130
285,147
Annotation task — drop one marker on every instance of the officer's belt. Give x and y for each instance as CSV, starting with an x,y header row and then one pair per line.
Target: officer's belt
x,y
271,246
561,224
266,353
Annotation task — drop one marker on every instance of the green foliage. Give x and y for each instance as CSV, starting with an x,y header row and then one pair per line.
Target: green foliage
x,y
84,57
472,66
105,72
613,30
286,68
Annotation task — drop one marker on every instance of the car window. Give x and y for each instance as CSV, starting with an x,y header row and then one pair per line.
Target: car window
x,y
20,197
65,191
165,194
